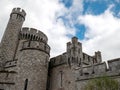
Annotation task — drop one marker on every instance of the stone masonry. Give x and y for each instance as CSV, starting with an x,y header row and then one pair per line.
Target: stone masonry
x,y
25,63
24,56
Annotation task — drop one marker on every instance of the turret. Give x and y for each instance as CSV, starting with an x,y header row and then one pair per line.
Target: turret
x,y
33,59
74,51
98,57
18,14
74,40
10,41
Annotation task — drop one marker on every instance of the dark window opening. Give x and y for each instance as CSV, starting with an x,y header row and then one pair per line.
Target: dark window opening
x,y
61,79
29,43
77,60
26,84
79,51
83,56
88,58
80,62
69,63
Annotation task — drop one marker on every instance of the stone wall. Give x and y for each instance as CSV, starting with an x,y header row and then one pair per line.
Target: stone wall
x,y
62,78
96,71
7,80
59,60
32,65
114,64
82,75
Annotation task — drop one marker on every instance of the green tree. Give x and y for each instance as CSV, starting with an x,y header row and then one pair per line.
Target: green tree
x,y
102,83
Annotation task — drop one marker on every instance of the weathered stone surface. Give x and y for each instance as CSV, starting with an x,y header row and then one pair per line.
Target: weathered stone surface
x,y
9,41
32,65
25,64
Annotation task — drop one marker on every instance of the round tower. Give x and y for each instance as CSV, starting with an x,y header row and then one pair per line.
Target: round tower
x,y
32,60
9,41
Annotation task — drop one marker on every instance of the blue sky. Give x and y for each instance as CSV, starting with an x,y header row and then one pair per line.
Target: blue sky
x,y
96,23
93,7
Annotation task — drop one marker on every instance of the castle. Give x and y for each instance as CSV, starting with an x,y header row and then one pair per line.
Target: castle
x,y
25,63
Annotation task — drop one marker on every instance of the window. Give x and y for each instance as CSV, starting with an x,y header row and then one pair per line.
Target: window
x,y
69,62
61,79
26,84
29,42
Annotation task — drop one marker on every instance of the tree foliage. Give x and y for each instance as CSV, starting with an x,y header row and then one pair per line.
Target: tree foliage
x,y
103,83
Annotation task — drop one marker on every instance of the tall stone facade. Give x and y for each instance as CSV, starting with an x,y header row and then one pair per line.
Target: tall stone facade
x,y
9,41
25,63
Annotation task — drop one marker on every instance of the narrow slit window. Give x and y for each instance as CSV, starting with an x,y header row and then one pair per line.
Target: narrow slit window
x,y
61,79
29,43
26,84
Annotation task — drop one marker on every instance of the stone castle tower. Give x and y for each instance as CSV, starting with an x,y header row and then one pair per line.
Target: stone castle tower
x,y
24,55
25,63
10,41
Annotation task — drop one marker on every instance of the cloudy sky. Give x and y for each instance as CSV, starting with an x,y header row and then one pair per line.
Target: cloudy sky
x,y
95,22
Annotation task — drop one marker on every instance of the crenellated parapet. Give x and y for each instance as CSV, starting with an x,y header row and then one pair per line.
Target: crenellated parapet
x,y
32,34
114,64
74,48
98,70
58,61
87,59
34,39
17,13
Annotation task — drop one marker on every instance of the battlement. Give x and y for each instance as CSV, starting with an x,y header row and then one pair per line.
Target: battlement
x,y
114,64
74,41
98,70
19,11
58,61
74,48
33,39
33,34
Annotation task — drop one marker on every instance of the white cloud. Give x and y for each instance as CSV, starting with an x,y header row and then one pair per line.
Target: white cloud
x,y
102,30
118,1
74,11
103,33
42,15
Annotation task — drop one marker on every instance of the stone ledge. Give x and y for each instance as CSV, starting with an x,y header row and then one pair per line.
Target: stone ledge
x,y
12,83
35,49
88,77
8,72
